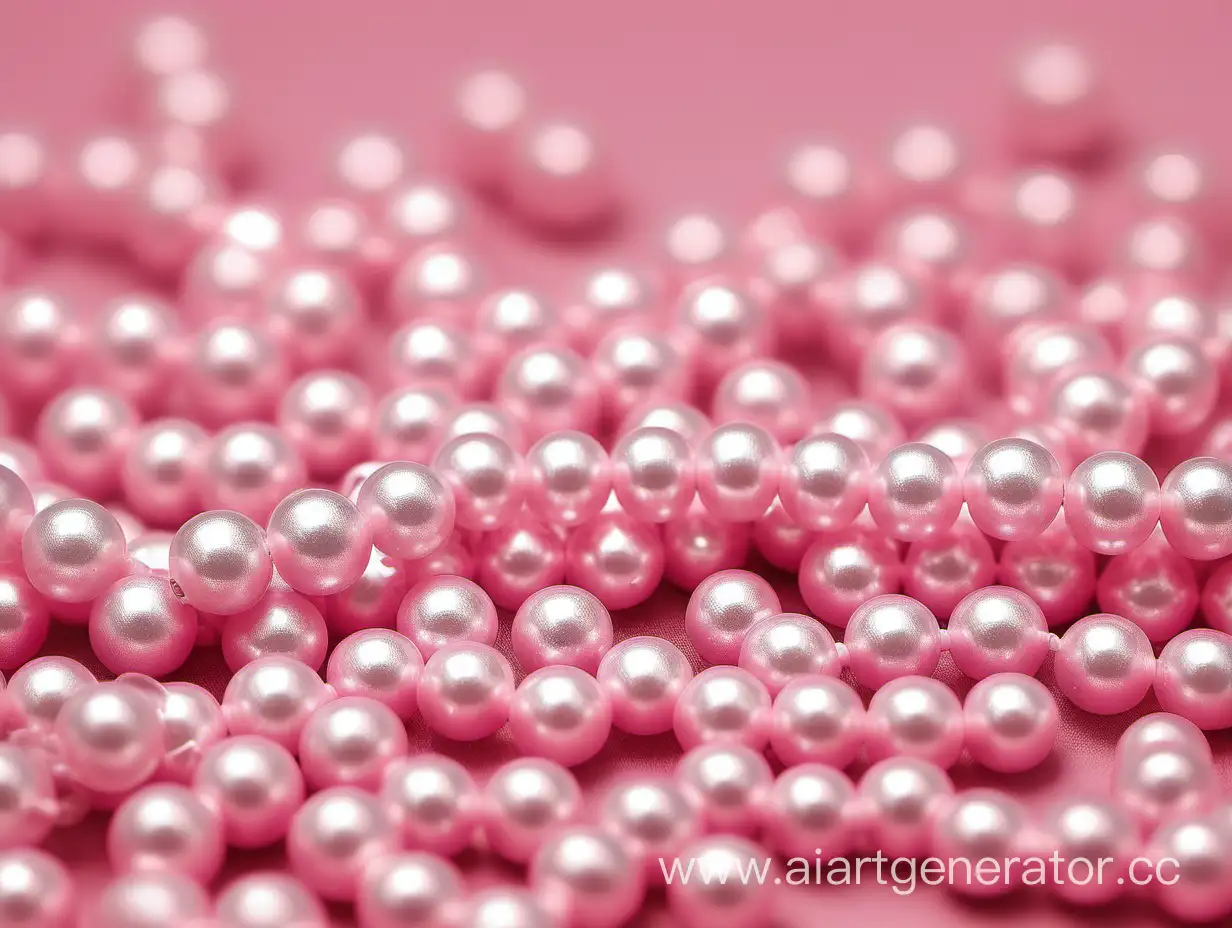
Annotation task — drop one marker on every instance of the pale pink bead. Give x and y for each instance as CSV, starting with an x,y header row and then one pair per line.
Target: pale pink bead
x,y
725,705
568,478
336,235
925,163
619,560
728,901
653,474
488,109
1153,587
1099,411
719,325
163,471
110,737
613,299
549,389
1013,488
1082,830
1010,722
1059,103
195,112
501,906
40,342
738,471
443,610
334,836
826,186
1053,570
844,570
1180,383
824,484
780,540
423,211
327,416
939,571
253,785
269,899
83,435
407,508
915,717
349,741
561,625
769,394
1199,855
319,541
1164,783
371,601
938,246
408,422
561,713
817,719
21,458
1163,730
728,783
868,299
510,319
192,723
25,183
686,421
138,349
28,810
139,626
97,187
250,467
517,560
280,623
557,177
586,879
1194,677
981,824
524,801
148,899
723,609
465,691
368,165
1005,298
314,315
175,210
1105,664
38,690
487,478
36,890
219,562
644,677
699,544
434,801
914,492
379,664
870,426
440,281
166,828
434,353
1043,214
1037,354
809,812
891,636
650,816
1112,502
782,647
1162,251
1196,510
903,797
74,550
484,418
996,629
405,888
234,372
24,621
917,371
273,697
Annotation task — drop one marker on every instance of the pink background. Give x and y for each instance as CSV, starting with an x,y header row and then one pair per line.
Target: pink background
x,y
694,100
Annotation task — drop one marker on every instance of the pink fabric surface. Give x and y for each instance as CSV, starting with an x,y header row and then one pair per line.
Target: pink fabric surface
x,y
694,100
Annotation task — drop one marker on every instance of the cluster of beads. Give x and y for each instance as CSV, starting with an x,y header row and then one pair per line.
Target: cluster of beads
x,y
219,461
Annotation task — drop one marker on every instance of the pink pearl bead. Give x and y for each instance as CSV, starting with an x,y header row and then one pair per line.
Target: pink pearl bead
x,y
510,319
21,458
163,471
234,372
1010,722
617,559
526,800
1196,509
219,563
379,664
502,906
434,353
722,610
1153,587
1005,298
465,691
644,677
728,783
1163,251
549,390
817,719
281,623
250,467
722,705
826,187
25,197
253,785
997,629
561,625
636,367
698,544
24,621
785,646
1164,783
1163,730
727,902
483,418
1086,829
192,723
273,697
139,349
915,717
444,610
1013,488
568,478
318,541
939,571
720,326
686,421
738,471
978,825
423,212
36,891
1105,664
873,428
327,416
408,421
349,741
488,109
769,394
557,177
914,492
267,900
314,316
404,889
369,165
1180,383
40,343
652,819
1040,353
936,245
409,511
110,737
165,827
925,163
561,713
825,480
613,300
372,601
1059,103
519,559
333,836
1198,885
1193,677
39,689
28,805
586,879
74,550
891,636
1053,570
487,479
17,509
904,796
917,371
434,802
652,474
869,299
1113,502
139,626
779,540
149,898
1099,411
841,571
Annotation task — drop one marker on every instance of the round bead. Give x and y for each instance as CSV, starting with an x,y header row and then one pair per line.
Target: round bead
x,y
511,319
380,664
817,719
1153,587
110,737
723,609
617,559
1082,830
980,824
434,353
917,371
558,177
568,478
842,571
157,899
644,678
809,812
722,705
371,601
28,805
561,713
74,550
1099,411
1010,722
1198,856
1053,570
349,741
36,891
769,394
486,477
1164,783
914,492
24,621
408,889
526,800
726,900
939,571
652,820
904,796
234,372
891,636
40,341
871,298
686,421
614,301
738,470
1013,488
1112,502
268,900
720,326
139,626
587,879
409,511
561,624
653,474
1193,678
164,470
548,390
408,421
250,467
1059,103
465,691
1039,353
825,482
915,717
785,646
697,545
314,316
997,629
1196,509
1181,384
83,435
39,689
334,836
446,609
779,540
1105,664
515,561
281,623
219,562
166,827
728,784
318,541
273,697
504,907
434,802
1163,730
327,416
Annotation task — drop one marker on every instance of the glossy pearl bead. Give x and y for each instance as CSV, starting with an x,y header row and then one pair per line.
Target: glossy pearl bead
x,y
825,482
219,562
407,508
915,717
619,560
334,836
653,474
644,678
586,879
723,609
904,797
769,394
737,904
728,784
380,664
269,899
562,713
488,480
1105,664
139,626
169,898
914,492
549,390
434,801
1193,677
110,737
1113,502
785,646
24,621
166,827
273,697
1196,509
74,550
1053,570
891,636
939,571
407,889
465,691
722,705
1013,488
842,571
39,689
917,371
36,891
253,785
1086,829
817,719
996,629
518,560
281,623
526,800
981,824
1153,587
1010,722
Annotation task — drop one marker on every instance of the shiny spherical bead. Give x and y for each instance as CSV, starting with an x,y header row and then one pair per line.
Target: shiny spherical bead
x,y
869,299
1113,502
1082,830
273,697
39,689
28,805
738,471
515,561
824,185
651,818
74,550
1193,678
937,246
940,570
780,540
619,560
349,741
443,610
369,165
371,601
904,796
1053,570
314,315
728,783
487,478
380,664
268,900
686,421
220,563
980,824
914,492
1199,855
409,511
407,423
24,621
725,705
504,907
586,879
1179,381
40,342
997,629
1099,411
561,625
1196,510
1010,722
465,691
842,571
1043,214
281,623
557,177
318,541
421,212
440,281
249,468
1039,353
405,890
163,471
434,802
726,901
110,737
488,110
1163,783
782,647
695,245
510,319
1013,488
722,610
817,719
1153,587
138,349
613,299
139,626
925,163
1060,103
698,544
1006,298
234,372
870,426
653,474
561,713
891,636
769,394
334,836
36,890
644,677
720,326
915,717
525,800
1105,664
434,353
568,478
809,812
917,371
548,390
157,899
17,511
335,234
825,482
327,416
1163,730
635,367
166,827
